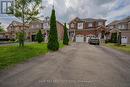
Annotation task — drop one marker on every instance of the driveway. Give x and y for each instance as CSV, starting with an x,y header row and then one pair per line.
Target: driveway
x,y
78,65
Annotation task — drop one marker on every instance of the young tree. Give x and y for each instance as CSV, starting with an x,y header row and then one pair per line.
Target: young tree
x,y
39,36
53,43
26,10
66,39
20,36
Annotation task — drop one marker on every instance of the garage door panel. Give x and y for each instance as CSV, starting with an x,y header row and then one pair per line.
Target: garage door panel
x,y
79,38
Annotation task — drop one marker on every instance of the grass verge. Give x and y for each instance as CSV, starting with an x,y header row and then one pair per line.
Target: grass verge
x,y
125,49
11,55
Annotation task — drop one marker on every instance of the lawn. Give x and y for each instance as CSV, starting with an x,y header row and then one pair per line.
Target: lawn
x,y
125,49
11,55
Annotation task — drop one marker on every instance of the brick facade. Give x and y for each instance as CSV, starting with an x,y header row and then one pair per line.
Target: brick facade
x,y
90,27
123,26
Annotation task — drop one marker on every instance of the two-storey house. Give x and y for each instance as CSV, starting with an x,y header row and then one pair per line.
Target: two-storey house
x,y
14,28
44,25
80,30
122,26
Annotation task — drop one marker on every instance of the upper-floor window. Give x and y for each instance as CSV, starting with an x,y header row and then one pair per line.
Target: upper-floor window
x,y
121,26
100,23
37,25
5,6
90,24
72,25
32,26
46,25
80,25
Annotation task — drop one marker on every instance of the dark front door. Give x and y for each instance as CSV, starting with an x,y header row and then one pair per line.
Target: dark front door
x,y
33,37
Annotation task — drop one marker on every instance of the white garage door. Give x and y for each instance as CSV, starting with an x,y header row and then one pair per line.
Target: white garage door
x,y
124,40
79,38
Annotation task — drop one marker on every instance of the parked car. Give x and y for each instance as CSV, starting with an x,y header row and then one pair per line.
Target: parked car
x,y
94,41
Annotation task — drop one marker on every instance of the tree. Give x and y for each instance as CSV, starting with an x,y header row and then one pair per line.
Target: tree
x,y
39,36
53,43
20,36
66,39
1,29
27,10
119,38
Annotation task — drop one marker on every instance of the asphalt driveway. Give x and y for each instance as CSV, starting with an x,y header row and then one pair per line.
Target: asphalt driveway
x,y
78,65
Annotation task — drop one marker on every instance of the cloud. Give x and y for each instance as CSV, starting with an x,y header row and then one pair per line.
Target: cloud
x,y
109,9
66,10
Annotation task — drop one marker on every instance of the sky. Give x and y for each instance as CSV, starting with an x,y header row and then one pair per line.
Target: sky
x,y
66,10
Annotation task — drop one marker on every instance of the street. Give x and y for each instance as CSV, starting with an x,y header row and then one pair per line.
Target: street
x,y
77,65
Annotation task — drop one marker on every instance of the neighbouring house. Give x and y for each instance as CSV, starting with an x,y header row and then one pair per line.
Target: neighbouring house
x,y
122,26
44,25
80,30
3,35
33,27
16,27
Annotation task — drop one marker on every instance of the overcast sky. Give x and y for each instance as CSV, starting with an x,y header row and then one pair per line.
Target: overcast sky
x,y
66,10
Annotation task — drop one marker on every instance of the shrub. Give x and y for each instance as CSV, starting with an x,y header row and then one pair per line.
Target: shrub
x,y
66,39
39,36
53,43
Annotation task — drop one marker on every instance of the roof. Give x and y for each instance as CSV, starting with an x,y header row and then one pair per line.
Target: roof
x,y
36,21
125,20
87,19
115,30
16,23
114,22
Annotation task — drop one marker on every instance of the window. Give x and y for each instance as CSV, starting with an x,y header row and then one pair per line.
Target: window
x,y
32,26
37,26
72,25
5,6
46,25
80,25
100,23
90,24
121,26
111,27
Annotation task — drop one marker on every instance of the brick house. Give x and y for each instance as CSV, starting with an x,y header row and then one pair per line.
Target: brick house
x,y
123,26
14,28
32,28
80,30
44,25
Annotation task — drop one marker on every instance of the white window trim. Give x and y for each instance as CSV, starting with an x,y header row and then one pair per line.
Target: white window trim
x,y
100,23
72,25
90,24
80,26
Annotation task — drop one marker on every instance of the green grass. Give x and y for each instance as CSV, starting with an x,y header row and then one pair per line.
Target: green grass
x,y
11,55
125,49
